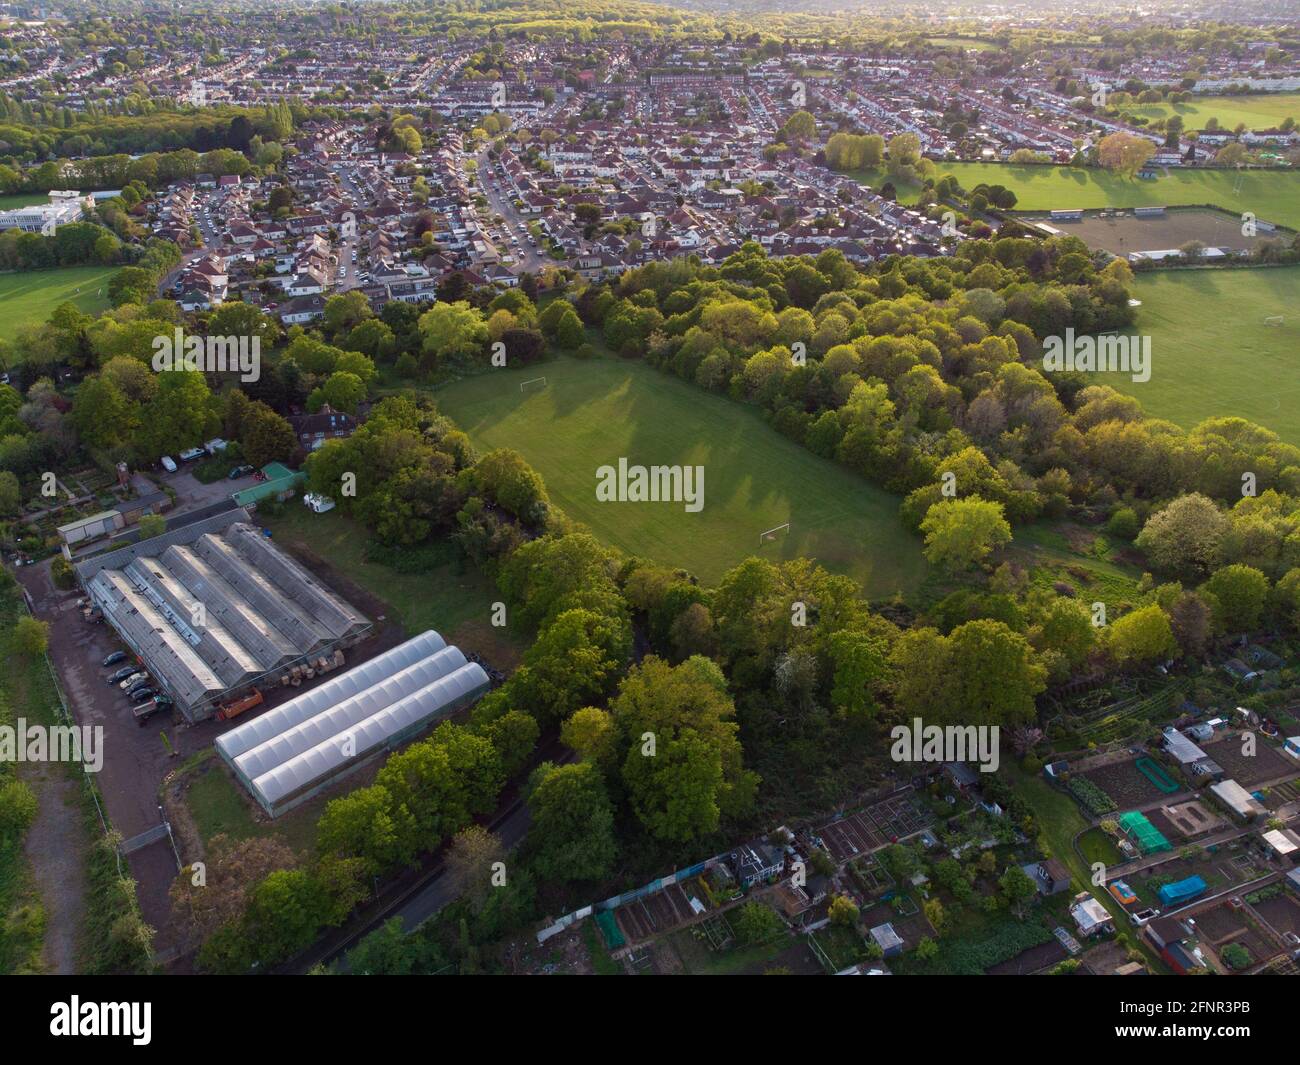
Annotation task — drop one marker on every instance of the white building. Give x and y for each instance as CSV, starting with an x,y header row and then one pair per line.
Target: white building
x,y
45,218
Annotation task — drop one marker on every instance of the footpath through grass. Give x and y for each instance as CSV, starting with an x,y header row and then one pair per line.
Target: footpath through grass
x,y
592,413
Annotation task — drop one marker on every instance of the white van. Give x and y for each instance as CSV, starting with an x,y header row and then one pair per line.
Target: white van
x,y
168,463
317,503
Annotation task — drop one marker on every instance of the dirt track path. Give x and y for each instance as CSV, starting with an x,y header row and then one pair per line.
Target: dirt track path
x,y
56,845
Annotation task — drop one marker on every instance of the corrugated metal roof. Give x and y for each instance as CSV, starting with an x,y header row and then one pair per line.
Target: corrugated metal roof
x,y
155,545
213,606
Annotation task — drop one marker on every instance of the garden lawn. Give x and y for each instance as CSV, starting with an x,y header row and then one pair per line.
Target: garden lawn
x,y
1212,353
590,413
30,297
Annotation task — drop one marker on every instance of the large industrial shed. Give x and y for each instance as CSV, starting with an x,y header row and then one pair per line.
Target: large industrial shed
x,y
214,608
300,747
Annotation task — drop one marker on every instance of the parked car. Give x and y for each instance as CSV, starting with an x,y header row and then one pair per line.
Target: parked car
x,y
139,695
114,659
241,471
122,674
192,454
139,685
168,463
133,679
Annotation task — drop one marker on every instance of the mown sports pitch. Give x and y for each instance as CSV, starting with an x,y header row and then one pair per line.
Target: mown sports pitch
x,y
593,412
1271,195
29,298
1213,350
1263,111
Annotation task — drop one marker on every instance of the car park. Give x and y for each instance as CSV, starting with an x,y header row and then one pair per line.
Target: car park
x,y
114,659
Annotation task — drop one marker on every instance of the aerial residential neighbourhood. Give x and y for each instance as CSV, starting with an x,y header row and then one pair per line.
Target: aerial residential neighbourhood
x,y
537,488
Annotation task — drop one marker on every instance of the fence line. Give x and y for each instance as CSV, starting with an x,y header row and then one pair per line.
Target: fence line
x,y
68,720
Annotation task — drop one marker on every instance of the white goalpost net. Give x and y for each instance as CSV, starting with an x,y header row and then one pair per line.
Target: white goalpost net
x,y
1275,319
771,534
539,381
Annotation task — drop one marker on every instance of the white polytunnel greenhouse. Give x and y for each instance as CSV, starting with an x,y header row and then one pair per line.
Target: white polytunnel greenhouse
x,y
308,743
248,735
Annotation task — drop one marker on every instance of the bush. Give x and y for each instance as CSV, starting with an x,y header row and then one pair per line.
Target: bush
x,y
754,922
1237,956
31,637
17,810
422,558
62,573
1124,524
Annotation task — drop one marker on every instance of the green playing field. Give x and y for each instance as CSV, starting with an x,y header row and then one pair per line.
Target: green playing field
x,y
591,413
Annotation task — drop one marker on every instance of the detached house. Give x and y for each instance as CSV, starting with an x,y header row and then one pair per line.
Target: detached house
x,y
326,424
756,862
302,310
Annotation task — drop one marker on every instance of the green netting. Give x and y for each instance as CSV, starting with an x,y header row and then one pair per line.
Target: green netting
x,y
1156,774
1149,838
609,929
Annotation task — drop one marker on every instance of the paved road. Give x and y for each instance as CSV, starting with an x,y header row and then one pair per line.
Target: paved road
x,y
527,258
420,893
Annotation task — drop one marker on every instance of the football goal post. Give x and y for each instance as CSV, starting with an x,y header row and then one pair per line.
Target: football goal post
x,y
771,534
540,382
1275,319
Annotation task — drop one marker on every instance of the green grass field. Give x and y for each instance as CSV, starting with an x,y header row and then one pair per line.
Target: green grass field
x,y
1257,112
21,199
29,298
960,42
1272,195
456,604
591,413
1211,351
